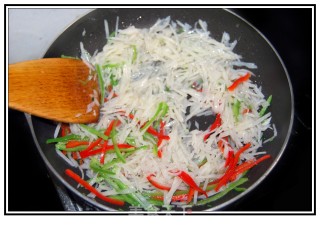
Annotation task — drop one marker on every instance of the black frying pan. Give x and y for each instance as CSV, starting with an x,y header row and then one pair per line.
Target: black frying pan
x,y
251,45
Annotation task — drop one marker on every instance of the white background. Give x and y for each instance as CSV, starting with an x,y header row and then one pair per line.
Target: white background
x,y
31,31
29,35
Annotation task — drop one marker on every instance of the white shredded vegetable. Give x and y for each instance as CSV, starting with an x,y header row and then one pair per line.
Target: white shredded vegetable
x,y
184,68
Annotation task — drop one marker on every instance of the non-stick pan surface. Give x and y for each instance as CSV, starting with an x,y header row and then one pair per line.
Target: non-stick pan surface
x,y
252,45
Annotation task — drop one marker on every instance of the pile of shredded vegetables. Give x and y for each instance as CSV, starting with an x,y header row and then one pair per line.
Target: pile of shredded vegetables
x,y
153,83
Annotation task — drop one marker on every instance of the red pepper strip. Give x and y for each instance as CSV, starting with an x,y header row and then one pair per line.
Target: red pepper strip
x,y
232,165
121,146
162,124
65,130
99,150
206,136
229,158
109,129
179,197
156,184
221,145
162,137
91,146
131,116
85,184
107,133
74,155
85,154
188,180
215,181
72,143
102,157
229,162
224,180
96,142
246,111
103,154
216,124
248,165
190,195
239,81
237,155
154,132
174,198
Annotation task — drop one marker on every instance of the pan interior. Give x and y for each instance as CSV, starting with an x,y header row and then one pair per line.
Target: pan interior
x,y
252,46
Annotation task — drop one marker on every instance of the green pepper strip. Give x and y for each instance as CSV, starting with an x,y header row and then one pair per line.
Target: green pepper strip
x,y
202,162
118,187
63,139
155,150
112,65
101,83
112,162
94,131
151,194
113,34
149,137
96,167
62,146
131,149
115,144
156,124
153,140
113,81
155,202
167,89
136,196
236,110
180,30
232,186
117,160
135,54
177,193
240,189
160,112
263,110
131,141
209,188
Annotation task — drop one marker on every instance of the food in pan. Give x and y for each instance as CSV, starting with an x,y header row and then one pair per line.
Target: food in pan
x,y
181,122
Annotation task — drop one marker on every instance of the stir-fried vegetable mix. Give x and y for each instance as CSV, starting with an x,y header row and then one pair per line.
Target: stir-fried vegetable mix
x,y
148,148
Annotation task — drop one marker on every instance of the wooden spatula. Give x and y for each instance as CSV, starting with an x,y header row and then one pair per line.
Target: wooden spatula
x,y
58,89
